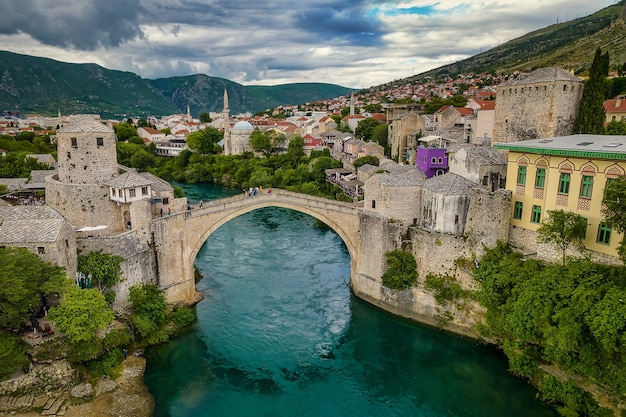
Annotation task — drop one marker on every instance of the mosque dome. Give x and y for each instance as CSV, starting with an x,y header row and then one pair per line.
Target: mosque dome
x,y
243,125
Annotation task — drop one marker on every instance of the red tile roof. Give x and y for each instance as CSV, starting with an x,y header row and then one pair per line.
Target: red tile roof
x,y
615,106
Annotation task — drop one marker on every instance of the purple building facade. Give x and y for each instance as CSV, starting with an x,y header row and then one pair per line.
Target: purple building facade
x,y
432,161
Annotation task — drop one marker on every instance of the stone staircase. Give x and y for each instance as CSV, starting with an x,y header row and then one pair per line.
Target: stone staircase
x,y
48,406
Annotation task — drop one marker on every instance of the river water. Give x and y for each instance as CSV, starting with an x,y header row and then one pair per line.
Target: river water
x,y
279,334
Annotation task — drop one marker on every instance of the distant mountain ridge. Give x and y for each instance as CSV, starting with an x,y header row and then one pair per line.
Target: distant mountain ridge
x,y
570,45
45,86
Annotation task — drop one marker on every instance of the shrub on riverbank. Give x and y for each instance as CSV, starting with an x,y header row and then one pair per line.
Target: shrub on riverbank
x,y
558,318
152,318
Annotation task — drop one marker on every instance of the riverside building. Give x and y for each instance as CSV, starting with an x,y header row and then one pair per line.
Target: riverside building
x,y
567,173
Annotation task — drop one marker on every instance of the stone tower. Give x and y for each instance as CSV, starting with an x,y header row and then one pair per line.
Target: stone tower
x,y
542,104
86,160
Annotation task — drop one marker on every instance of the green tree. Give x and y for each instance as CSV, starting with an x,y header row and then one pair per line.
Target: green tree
x,y
614,210
365,128
142,123
380,135
149,312
369,159
104,268
24,279
136,140
562,229
81,313
401,270
142,160
615,127
124,131
295,149
318,167
205,117
125,152
373,108
25,136
259,141
204,141
591,114
12,354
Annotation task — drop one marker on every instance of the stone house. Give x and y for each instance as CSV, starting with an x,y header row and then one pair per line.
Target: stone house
x,y
351,149
449,116
485,116
395,195
44,158
402,131
615,109
482,165
445,202
372,149
542,104
151,134
43,231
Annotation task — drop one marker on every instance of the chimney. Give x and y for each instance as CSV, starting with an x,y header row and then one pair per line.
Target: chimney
x,y
618,101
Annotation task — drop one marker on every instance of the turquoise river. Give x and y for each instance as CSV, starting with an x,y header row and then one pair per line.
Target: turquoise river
x,y
279,334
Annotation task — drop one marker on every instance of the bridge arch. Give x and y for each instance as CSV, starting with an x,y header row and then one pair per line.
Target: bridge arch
x,y
181,236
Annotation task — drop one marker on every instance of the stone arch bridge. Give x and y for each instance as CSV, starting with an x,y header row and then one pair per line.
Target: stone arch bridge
x,y
178,238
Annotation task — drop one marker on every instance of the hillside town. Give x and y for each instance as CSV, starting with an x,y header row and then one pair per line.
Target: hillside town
x,y
453,183
465,145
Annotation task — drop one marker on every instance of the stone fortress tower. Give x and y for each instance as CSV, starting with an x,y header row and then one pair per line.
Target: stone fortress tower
x,y
86,159
92,190
542,104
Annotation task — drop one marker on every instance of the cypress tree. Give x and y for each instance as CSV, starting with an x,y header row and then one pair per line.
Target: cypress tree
x,y
591,113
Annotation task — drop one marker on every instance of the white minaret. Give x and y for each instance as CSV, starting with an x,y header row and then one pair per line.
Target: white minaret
x,y
188,114
352,104
226,117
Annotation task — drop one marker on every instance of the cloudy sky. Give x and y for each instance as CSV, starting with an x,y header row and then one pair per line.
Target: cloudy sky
x,y
354,43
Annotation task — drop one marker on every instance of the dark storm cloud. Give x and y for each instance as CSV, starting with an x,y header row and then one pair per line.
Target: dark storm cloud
x,y
317,21
80,24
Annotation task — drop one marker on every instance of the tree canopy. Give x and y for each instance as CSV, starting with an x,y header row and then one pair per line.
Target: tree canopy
x,y
205,141
205,117
614,210
369,159
591,114
104,268
401,270
259,141
24,279
149,312
365,128
81,313
571,316
124,131
563,228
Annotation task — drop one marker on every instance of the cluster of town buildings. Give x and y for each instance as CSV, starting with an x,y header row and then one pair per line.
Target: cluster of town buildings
x,y
514,137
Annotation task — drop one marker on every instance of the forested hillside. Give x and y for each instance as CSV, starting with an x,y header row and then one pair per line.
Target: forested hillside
x,y
45,86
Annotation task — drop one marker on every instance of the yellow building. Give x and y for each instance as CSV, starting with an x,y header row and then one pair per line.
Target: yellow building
x,y
563,173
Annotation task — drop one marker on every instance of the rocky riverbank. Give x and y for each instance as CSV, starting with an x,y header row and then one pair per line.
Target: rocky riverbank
x,y
51,390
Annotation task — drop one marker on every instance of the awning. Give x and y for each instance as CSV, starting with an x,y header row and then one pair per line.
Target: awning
x,y
91,228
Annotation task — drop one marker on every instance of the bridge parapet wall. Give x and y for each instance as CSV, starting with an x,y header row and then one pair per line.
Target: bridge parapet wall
x,y
179,237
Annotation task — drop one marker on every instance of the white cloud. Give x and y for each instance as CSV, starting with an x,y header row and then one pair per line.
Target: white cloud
x,y
346,42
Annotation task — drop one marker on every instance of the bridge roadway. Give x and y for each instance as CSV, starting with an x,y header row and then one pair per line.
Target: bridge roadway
x,y
179,237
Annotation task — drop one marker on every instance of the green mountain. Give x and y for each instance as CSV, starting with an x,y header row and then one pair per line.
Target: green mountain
x,y
570,45
45,86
